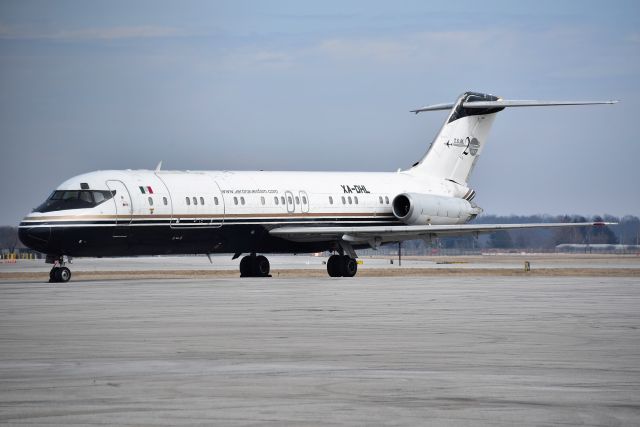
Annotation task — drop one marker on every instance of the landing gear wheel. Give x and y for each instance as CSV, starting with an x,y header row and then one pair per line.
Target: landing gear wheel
x,y
349,266
246,267
261,266
64,274
53,275
334,266
254,266
59,275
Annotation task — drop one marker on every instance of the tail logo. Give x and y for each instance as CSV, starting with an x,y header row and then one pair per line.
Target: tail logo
x,y
471,145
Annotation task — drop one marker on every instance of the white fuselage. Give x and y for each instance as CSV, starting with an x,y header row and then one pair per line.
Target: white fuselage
x,y
226,195
227,211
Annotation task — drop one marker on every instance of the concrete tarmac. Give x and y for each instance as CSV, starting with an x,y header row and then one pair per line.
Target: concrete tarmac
x,y
308,262
362,351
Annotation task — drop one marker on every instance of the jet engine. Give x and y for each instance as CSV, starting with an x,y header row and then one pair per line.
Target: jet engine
x,y
421,209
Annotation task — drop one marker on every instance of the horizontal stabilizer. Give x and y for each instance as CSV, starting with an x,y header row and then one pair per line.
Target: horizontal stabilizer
x,y
435,107
502,103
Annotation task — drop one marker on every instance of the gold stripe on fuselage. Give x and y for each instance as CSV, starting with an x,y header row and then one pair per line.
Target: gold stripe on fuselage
x,y
220,216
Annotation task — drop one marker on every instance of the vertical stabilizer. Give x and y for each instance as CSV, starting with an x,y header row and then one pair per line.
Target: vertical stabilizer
x,y
457,147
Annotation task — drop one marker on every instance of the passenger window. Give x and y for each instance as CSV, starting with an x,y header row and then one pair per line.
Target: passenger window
x,y
262,200
202,200
235,200
355,199
290,200
349,199
275,199
195,200
304,200
386,199
297,200
344,201
330,200
164,200
188,201
282,200
242,200
150,201
215,200
381,201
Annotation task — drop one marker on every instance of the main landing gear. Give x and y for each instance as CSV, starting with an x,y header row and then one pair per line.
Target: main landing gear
x,y
59,273
254,266
342,266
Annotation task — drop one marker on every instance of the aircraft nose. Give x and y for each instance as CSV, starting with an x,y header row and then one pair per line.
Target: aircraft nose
x,y
35,238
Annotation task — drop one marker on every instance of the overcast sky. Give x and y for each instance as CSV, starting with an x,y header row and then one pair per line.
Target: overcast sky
x,y
87,85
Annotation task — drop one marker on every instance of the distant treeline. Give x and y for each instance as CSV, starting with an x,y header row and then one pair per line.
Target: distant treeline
x,y
9,238
627,232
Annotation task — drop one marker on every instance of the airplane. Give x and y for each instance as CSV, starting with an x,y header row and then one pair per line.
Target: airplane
x,y
120,213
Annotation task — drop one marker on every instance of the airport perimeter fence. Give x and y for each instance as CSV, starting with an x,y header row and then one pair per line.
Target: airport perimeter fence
x,y
560,249
598,249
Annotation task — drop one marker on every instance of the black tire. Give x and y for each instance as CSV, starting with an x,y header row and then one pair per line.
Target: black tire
x,y
53,278
334,266
261,266
64,274
349,266
246,269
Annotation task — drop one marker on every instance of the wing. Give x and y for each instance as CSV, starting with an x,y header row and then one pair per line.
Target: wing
x,y
375,235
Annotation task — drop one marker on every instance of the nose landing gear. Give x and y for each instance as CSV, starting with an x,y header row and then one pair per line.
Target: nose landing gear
x,y
59,273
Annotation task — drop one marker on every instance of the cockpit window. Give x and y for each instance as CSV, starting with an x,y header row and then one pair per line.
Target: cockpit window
x,y
86,196
74,199
99,197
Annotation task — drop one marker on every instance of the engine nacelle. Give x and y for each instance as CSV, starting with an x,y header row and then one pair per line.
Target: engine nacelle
x,y
422,209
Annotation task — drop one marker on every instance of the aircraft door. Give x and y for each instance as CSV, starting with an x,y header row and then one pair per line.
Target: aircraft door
x,y
288,195
304,202
124,207
218,219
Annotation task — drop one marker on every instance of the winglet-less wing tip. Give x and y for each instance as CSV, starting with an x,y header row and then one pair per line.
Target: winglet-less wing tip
x,y
435,107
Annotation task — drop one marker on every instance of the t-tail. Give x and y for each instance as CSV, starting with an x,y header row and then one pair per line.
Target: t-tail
x,y
456,148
